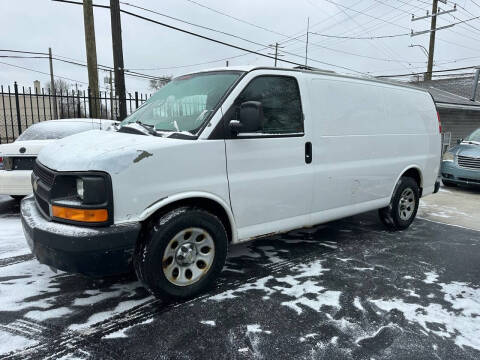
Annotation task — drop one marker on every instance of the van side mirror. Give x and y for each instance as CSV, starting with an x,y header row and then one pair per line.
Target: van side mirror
x,y
459,141
251,118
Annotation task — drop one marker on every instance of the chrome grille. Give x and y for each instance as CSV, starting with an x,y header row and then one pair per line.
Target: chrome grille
x,y
469,162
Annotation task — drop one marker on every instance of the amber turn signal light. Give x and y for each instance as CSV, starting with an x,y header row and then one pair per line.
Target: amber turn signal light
x,y
81,215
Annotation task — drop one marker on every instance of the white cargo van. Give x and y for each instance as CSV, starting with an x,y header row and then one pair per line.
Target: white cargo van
x,y
224,156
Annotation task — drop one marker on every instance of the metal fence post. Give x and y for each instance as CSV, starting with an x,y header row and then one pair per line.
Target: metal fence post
x,y
89,102
17,105
136,100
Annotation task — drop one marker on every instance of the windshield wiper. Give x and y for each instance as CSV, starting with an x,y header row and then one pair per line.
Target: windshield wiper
x,y
150,128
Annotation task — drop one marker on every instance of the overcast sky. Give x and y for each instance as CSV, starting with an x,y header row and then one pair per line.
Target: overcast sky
x,y
35,25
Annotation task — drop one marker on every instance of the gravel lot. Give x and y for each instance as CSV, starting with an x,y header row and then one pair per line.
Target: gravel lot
x,y
347,289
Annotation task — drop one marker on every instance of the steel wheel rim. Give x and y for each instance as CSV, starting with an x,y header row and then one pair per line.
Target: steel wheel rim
x,y
188,256
406,205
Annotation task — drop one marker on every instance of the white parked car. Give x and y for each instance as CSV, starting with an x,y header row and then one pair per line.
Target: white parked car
x,y
225,156
17,158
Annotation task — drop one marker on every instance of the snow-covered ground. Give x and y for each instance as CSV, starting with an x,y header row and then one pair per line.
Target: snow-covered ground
x,y
347,289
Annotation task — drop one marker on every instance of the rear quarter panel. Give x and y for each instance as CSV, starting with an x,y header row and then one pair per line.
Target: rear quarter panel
x,y
365,135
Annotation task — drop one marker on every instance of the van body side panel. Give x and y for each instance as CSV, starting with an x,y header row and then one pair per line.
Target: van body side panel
x,y
365,135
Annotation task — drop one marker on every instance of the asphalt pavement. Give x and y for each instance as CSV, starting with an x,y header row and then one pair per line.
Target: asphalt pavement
x,y
346,289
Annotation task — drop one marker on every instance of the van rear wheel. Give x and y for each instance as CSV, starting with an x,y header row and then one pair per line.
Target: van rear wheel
x,y
403,207
181,253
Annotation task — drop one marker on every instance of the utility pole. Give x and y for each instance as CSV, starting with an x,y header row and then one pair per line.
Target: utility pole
x,y
431,47
52,84
118,57
276,54
91,48
433,29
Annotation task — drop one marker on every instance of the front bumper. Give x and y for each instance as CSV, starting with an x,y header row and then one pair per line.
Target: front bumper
x,y
88,251
15,182
452,172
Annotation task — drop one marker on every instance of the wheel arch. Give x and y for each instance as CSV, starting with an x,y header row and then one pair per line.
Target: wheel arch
x,y
414,172
206,201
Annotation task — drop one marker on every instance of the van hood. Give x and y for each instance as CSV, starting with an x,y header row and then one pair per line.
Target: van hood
x,y
98,150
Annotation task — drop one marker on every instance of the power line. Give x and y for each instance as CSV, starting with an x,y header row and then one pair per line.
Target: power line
x,y
23,57
44,73
215,40
237,19
256,43
368,15
367,30
73,62
190,23
360,37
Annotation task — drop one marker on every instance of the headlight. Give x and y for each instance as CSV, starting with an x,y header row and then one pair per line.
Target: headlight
x,y
82,198
80,188
448,156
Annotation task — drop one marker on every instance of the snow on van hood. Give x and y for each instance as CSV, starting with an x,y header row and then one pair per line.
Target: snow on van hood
x,y
100,150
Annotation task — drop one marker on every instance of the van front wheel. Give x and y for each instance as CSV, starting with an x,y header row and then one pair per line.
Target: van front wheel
x,y
181,253
403,207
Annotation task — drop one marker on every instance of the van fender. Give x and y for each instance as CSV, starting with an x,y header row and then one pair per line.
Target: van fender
x,y
416,167
151,209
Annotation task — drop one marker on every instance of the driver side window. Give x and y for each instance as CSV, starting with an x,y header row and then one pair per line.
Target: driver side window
x,y
281,103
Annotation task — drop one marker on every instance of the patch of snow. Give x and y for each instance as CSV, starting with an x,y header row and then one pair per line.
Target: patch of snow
x,y
243,350
374,334
330,246
10,342
41,315
461,325
31,279
101,316
430,277
271,253
296,287
122,333
12,240
208,322
358,304
255,328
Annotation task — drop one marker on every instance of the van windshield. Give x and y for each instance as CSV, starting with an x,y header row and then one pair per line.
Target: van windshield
x,y
184,104
475,136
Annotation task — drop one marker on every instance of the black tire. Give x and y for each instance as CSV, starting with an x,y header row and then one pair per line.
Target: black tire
x,y
17,197
149,253
449,183
391,215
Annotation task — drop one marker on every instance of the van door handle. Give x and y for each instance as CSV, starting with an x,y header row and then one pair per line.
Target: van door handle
x,y
308,152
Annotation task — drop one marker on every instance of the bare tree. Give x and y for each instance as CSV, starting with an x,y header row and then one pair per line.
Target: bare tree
x,y
67,106
156,84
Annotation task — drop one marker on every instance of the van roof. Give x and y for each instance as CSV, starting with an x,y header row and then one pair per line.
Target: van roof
x,y
248,68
